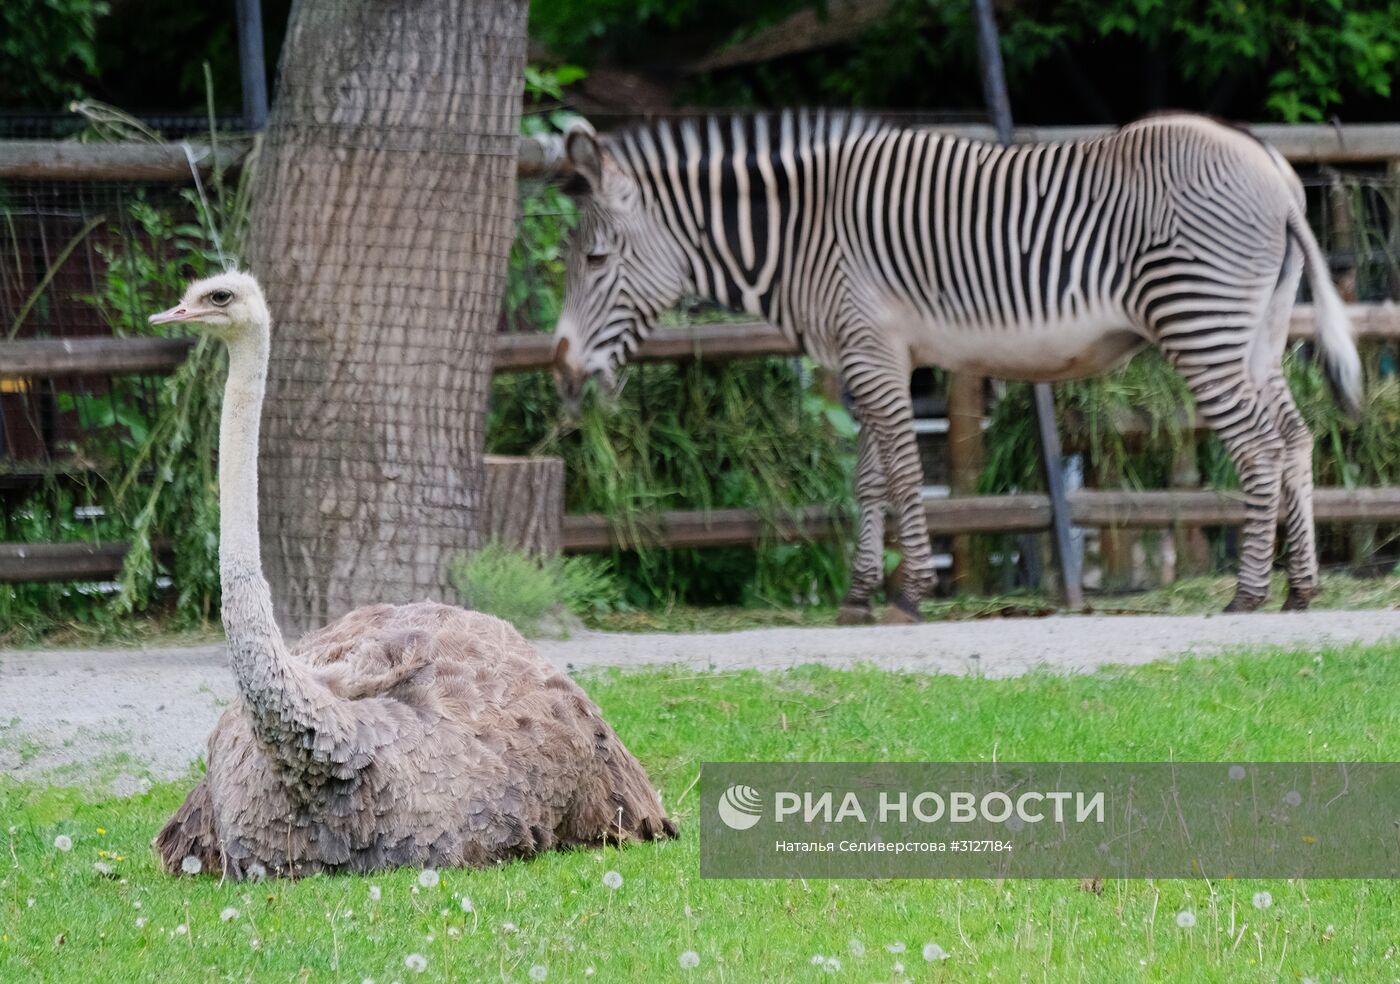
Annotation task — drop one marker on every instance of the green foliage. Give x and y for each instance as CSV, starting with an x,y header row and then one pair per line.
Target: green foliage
x,y
524,591
751,434
46,46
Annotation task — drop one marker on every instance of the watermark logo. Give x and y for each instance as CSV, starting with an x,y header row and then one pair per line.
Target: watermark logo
x,y
739,807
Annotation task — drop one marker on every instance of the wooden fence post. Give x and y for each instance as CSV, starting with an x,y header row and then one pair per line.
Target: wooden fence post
x,y
966,453
524,503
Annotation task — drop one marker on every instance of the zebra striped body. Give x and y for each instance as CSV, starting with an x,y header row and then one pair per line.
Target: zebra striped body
x,y
879,248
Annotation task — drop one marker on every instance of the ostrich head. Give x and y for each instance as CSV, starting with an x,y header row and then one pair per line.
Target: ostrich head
x,y
227,305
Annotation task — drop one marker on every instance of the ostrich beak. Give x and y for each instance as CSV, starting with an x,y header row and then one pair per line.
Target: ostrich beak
x,y
180,313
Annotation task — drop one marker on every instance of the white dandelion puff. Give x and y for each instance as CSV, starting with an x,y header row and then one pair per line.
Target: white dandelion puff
x,y
466,904
367,980
30,903
63,842
416,962
228,915
256,872
1185,919
508,927
1293,797
428,878
895,947
375,893
102,868
589,971
612,880
688,960
453,931
831,965
898,967
817,960
932,952
181,929
429,938
538,972
136,904
140,922
191,865
856,947
1262,900
1236,772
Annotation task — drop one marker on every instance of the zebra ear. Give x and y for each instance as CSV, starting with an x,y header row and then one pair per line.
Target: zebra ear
x,y
582,150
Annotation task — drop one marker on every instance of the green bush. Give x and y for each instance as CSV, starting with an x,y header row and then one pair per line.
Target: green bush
x,y
524,591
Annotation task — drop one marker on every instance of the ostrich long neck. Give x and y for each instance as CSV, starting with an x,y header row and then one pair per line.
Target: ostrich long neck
x,y
286,706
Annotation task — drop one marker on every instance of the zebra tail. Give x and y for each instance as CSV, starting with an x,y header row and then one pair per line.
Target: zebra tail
x,y
1340,360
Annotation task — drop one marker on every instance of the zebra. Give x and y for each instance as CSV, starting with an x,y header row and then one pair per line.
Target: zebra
x,y
878,248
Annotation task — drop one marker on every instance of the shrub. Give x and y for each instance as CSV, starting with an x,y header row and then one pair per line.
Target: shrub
x,y
524,591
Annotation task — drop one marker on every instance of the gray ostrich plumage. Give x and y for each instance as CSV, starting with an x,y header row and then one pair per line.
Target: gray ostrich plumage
x,y
417,734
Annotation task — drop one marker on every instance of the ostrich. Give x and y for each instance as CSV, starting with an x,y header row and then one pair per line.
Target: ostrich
x,y
417,734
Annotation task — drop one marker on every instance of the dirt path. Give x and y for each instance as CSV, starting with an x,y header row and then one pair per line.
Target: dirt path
x,y
122,717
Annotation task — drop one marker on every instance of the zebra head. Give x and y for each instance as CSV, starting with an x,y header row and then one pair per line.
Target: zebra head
x,y
623,268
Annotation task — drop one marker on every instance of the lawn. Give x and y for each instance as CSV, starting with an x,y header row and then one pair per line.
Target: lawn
x,y
556,919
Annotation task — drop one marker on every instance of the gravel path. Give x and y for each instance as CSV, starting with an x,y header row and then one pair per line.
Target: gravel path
x,y
123,717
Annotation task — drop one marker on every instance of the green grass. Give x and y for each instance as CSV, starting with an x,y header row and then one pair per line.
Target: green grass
x,y
1188,596
555,911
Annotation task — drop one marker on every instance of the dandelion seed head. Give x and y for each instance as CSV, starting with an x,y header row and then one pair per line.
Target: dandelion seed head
x,y
612,880
416,962
102,868
428,878
228,915
1262,900
136,904
688,960
191,865
817,960
63,842
1293,797
181,929
589,971
898,967
1236,772
895,947
375,893
140,922
831,965
538,972
856,947
1185,919
453,931
508,927
256,872
932,952
466,904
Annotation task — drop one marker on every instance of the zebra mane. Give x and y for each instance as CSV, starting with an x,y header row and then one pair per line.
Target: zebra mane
x,y
816,124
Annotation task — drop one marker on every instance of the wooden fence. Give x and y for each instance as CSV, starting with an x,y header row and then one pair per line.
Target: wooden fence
x,y
27,359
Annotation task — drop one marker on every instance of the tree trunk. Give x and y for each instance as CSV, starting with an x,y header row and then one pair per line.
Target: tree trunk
x,y
384,215
525,503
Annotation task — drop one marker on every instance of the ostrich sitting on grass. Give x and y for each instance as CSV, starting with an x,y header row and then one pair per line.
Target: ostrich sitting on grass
x,y
415,734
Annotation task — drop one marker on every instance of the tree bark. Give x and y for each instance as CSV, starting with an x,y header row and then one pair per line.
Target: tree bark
x,y
382,222
525,503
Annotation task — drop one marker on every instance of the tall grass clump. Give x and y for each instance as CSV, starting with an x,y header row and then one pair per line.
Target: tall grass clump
x,y
525,591
755,434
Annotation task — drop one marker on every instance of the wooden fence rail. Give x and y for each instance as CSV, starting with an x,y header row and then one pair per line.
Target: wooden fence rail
x,y
594,533
66,160
70,357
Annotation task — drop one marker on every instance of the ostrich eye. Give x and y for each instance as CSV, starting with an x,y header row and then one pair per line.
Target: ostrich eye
x,y
596,260
221,297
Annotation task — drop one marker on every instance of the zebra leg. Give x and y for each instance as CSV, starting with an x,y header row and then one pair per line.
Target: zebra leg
x,y
1298,530
1242,416
879,383
869,565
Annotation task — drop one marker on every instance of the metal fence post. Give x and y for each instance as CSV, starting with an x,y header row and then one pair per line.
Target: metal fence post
x,y
999,105
252,66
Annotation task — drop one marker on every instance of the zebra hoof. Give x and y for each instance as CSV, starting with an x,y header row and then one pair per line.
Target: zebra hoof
x,y
854,614
1299,599
902,611
1243,602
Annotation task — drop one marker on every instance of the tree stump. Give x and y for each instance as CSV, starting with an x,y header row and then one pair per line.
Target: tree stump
x,y
524,503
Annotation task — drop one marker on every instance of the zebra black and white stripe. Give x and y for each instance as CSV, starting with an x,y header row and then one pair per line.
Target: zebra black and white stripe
x,y
878,248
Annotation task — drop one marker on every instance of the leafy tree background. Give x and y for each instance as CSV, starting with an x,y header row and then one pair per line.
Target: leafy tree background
x,y
1067,60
